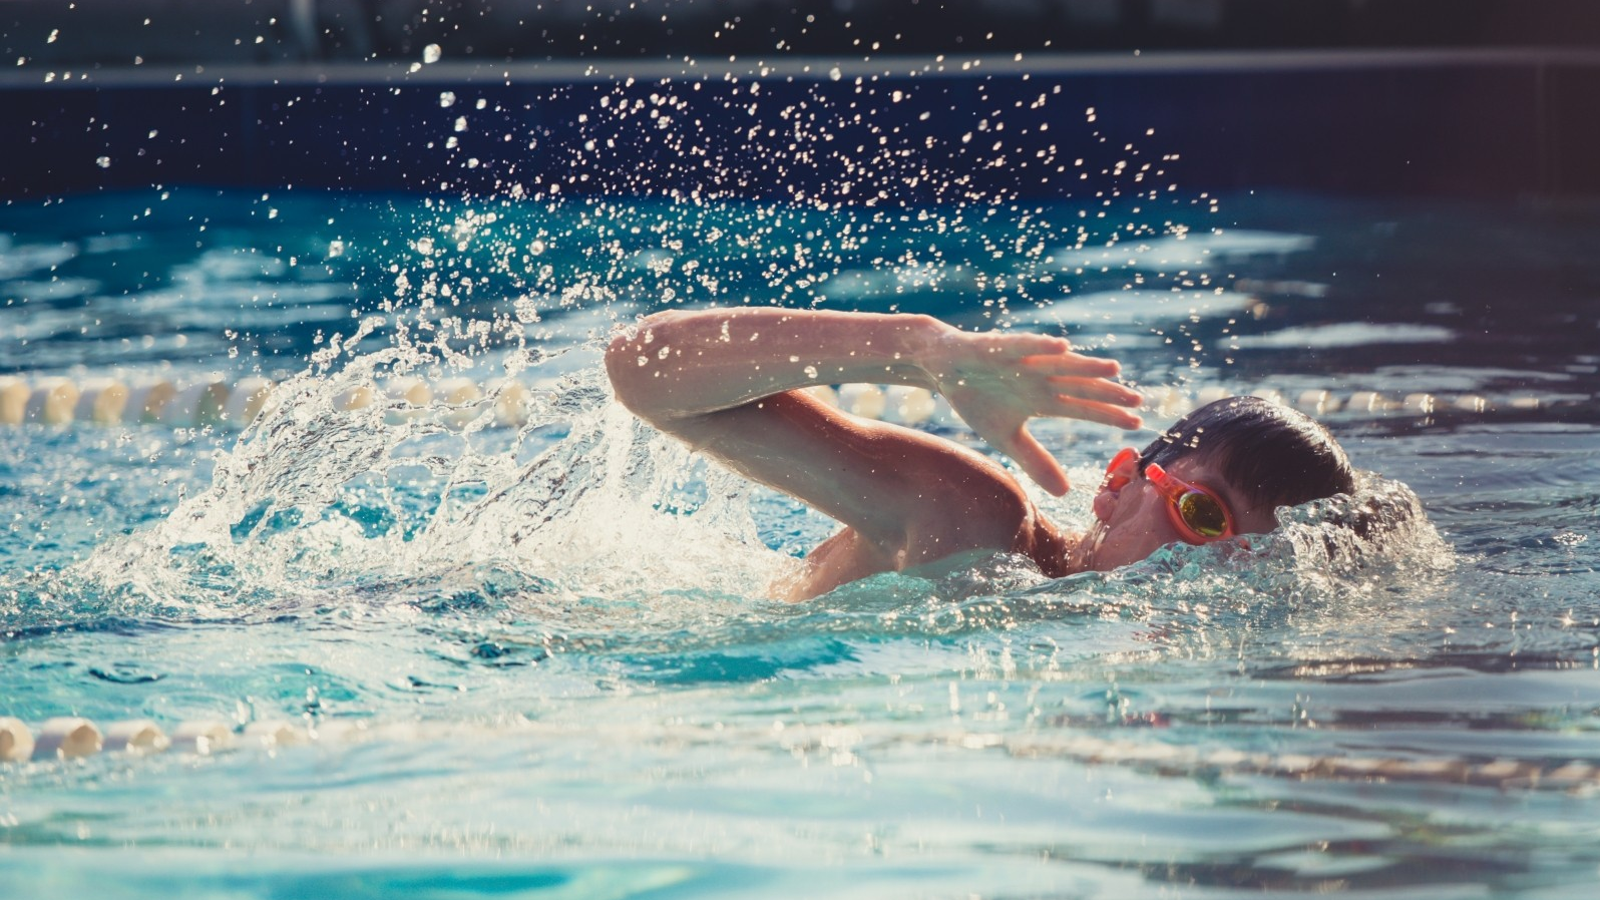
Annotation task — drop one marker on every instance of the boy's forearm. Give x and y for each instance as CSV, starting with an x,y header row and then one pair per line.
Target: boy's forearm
x,y
679,364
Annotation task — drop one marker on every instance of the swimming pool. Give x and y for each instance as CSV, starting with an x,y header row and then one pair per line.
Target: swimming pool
x,y
534,659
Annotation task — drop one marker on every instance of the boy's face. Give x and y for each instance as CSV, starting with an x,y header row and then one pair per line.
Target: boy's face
x,y
1133,520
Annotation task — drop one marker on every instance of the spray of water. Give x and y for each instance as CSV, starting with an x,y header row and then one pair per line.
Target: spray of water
x,y
390,506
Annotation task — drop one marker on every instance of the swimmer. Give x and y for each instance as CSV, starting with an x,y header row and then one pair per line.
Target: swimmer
x,y
728,383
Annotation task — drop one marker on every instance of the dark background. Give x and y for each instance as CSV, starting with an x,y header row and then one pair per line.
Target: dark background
x,y
114,32
1465,98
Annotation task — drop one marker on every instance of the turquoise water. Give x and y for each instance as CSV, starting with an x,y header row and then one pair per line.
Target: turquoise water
x,y
537,660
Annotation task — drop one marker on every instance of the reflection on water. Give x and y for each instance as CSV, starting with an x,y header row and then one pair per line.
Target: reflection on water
x,y
548,646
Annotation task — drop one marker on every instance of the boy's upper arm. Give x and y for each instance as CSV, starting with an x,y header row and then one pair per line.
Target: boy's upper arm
x,y
905,490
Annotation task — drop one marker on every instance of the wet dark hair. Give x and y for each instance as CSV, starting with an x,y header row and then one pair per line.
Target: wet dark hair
x,y
1273,455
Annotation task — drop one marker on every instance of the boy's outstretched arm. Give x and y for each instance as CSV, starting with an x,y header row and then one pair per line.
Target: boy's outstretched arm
x,y
724,379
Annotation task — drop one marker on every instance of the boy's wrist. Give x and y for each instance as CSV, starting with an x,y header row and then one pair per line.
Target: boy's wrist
x,y
926,340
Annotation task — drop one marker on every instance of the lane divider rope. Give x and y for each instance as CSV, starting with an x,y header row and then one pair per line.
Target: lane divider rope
x,y
226,404
69,738
1170,760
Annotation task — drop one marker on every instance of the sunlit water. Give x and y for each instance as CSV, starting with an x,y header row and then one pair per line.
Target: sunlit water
x,y
539,660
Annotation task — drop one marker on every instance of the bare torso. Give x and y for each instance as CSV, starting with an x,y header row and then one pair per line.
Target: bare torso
x,y
847,557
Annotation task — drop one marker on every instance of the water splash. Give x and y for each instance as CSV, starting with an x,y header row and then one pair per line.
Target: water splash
x,y
395,508
392,506
1292,592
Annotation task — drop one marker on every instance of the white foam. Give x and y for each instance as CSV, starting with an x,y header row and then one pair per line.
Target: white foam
x,y
1195,250
1117,309
1347,334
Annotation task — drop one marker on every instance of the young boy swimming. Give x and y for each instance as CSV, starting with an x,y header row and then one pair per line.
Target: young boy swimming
x,y
727,382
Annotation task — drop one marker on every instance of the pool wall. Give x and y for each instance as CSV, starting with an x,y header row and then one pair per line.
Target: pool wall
x,y
1459,123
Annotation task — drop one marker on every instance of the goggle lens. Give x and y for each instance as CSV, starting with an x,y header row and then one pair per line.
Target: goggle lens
x,y
1196,512
1203,514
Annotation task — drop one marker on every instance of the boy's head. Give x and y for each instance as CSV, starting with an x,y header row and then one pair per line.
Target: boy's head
x,y
1220,471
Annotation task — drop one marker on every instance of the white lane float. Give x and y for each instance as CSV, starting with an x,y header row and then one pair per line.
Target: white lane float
x,y
137,736
13,399
202,738
52,401
146,400
196,405
358,397
101,401
66,737
864,400
249,398
1186,761
824,393
1317,402
909,405
511,402
1370,402
71,737
462,396
273,733
16,740
1419,403
409,395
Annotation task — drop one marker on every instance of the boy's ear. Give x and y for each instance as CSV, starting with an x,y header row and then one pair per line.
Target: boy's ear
x,y
1124,466
1121,470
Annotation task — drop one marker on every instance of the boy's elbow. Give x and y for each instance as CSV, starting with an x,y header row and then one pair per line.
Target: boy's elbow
x,y
635,380
624,371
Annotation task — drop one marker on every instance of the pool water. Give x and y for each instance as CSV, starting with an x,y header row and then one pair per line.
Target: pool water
x,y
537,660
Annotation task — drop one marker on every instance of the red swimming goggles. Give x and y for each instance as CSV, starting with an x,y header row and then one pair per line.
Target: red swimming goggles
x,y
1198,515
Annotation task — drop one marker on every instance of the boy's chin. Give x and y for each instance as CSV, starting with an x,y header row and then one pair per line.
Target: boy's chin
x,y
1089,552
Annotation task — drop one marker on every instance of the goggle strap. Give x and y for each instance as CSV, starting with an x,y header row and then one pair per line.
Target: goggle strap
x,y
1170,487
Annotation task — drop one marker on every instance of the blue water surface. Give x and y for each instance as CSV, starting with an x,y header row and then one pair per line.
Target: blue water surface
x,y
538,660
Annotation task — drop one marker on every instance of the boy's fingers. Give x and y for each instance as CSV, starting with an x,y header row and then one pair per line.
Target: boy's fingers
x,y
1038,463
1038,344
1096,389
1073,365
1092,411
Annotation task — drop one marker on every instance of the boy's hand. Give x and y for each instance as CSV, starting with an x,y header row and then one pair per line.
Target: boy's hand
x,y
996,382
